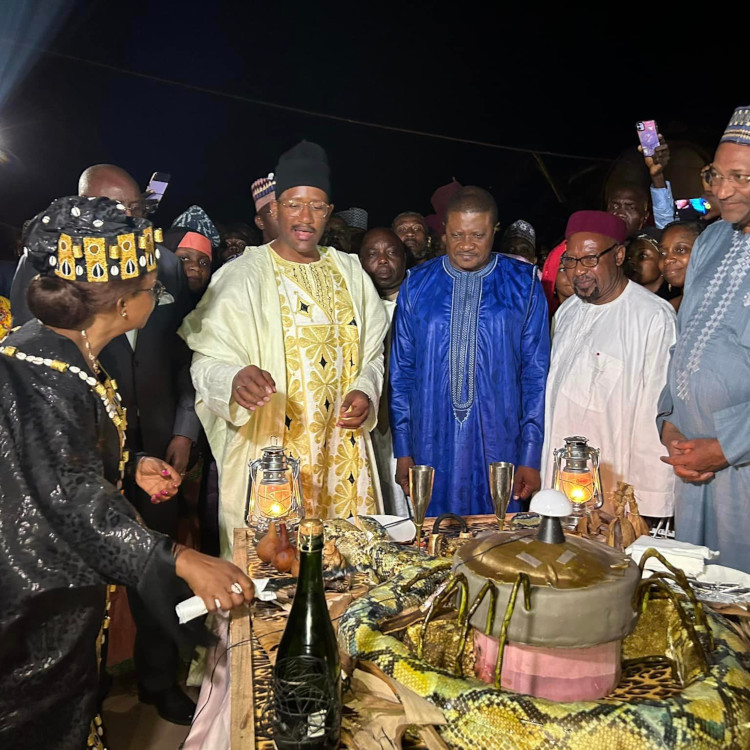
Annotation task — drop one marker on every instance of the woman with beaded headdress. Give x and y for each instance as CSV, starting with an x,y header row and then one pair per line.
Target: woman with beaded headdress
x,y
65,528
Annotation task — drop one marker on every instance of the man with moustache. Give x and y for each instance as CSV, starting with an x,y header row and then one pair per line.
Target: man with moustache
x,y
610,351
468,364
288,343
384,258
411,228
704,410
630,201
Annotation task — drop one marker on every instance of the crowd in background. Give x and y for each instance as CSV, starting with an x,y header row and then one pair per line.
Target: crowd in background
x,y
447,340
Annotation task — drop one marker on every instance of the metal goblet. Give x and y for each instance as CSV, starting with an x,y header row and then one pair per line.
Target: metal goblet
x,y
501,486
420,493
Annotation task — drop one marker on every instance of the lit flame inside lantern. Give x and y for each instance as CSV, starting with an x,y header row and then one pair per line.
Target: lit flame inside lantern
x,y
274,500
274,491
577,486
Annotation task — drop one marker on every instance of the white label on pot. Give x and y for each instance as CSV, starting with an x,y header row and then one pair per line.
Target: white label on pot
x,y
566,557
529,559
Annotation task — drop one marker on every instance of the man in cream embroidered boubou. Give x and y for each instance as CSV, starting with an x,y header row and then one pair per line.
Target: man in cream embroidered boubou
x,y
288,342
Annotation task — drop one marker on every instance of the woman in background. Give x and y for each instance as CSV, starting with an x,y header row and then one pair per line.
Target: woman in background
x,y
676,245
642,265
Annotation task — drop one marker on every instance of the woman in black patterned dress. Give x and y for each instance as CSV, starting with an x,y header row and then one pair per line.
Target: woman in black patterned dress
x,y
65,528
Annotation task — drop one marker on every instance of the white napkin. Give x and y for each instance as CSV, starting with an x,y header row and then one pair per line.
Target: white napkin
x,y
195,607
690,558
192,608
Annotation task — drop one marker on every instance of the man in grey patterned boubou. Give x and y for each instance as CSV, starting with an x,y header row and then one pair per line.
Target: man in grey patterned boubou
x,y
704,410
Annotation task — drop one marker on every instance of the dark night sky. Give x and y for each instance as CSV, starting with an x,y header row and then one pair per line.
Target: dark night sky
x,y
522,77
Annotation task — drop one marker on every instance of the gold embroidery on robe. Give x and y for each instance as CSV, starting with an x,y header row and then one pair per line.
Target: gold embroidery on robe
x,y
321,341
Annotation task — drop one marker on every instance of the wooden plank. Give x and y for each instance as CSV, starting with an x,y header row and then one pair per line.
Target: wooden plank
x,y
241,661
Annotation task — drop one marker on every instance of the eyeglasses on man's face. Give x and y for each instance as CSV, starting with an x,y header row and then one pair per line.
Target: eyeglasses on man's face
x,y
158,290
319,209
712,177
136,208
587,261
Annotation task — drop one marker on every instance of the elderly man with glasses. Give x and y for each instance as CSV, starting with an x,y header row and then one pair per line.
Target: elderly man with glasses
x,y
288,343
704,411
610,350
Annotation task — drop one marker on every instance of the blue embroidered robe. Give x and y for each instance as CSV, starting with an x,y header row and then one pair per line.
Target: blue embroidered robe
x,y
469,363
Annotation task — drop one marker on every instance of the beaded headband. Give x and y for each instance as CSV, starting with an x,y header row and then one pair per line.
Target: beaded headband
x,y
98,259
91,239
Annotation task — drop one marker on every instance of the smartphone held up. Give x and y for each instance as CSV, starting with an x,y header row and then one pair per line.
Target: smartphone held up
x,y
648,135
155,190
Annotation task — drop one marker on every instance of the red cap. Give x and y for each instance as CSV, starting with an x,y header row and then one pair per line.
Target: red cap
x,y
197,242
597,222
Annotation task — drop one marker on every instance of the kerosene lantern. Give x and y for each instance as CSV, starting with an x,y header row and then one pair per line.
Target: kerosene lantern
x,y
576,474
274,491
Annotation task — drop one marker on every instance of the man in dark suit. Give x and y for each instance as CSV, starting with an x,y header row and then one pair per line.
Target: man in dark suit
x,y
151,367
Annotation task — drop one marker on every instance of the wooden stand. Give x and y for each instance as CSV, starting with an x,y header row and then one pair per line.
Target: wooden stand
x,y
241,661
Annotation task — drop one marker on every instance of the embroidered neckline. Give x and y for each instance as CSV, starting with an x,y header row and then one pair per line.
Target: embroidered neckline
x,y
716,301
106,391
458,273
465,301
293,263
315,280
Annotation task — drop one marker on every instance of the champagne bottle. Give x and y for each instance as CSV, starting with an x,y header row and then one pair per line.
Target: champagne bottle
x,y
307,673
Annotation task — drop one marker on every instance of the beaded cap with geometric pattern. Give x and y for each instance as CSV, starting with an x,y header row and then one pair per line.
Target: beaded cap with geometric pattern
x,y
91,239
263,191
738,130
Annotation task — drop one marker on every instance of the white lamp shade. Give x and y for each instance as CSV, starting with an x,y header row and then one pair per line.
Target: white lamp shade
x,y
551,503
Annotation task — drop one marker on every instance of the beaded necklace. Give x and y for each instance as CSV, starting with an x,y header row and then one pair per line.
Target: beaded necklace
x,y
106,391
